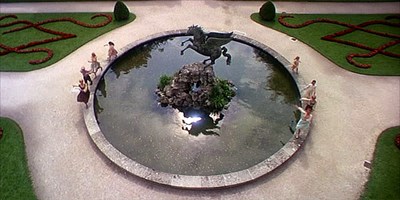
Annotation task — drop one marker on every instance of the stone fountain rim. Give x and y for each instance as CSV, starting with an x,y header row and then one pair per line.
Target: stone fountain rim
x,y
187,181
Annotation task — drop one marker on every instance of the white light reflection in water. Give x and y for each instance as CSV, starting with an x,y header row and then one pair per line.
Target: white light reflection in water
x,y
188,121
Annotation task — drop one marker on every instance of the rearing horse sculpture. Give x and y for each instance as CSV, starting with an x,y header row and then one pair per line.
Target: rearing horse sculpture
x,y
208,44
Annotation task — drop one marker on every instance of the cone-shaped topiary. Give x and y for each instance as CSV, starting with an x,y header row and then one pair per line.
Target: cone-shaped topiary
x,y
121,12
267,11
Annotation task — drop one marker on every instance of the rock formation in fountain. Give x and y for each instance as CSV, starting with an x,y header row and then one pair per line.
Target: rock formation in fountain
x,y
196,86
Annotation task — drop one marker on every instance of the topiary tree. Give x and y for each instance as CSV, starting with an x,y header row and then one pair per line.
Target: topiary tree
x,y
121,11
267,11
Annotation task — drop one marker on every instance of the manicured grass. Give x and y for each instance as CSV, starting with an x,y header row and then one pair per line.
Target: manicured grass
x,y
20,62
15,181
311,35
384,180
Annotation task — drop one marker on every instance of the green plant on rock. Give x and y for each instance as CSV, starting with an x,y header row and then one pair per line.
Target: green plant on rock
x,y
121,11
267,11
164,81
221,94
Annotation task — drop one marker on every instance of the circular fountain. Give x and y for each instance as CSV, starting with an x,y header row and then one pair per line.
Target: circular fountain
x,y
190,146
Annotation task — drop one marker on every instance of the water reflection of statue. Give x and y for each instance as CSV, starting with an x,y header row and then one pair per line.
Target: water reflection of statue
x,y
208,44
197,121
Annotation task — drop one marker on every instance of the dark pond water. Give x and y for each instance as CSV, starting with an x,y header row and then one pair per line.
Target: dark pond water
x,y
254,127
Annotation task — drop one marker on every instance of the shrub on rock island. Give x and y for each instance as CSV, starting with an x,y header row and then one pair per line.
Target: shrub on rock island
x,y
221,94
267,11
164,81
121,11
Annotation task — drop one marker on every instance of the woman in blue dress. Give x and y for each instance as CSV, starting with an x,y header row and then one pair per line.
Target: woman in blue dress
x,y
305,120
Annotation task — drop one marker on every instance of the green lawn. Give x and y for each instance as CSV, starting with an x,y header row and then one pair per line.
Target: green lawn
x,y
20,62
384,180
311,35
15,181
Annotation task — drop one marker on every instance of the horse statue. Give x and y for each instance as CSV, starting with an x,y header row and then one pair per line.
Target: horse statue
x,y
208,44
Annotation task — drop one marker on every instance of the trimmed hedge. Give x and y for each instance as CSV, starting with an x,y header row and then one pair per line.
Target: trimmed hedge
x,y
268,11
121,11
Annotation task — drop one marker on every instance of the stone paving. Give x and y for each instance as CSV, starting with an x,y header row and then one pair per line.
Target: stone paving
x,y
352,111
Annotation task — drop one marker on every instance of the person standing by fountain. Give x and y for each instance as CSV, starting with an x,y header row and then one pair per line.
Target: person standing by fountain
x,y
112,53
84,92
310,89
305,120
295,65
95,66
310,102
85,75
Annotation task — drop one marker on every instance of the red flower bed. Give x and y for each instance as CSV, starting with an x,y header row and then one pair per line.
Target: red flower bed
x,y
351,28
38,26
